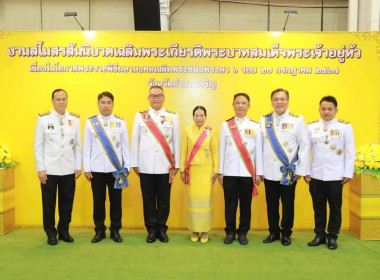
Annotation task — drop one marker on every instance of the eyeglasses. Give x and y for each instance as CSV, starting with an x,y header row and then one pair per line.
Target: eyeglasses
x,y
156,96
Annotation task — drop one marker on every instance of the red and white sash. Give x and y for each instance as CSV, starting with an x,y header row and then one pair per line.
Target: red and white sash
x,y
207,130
161,139
243,152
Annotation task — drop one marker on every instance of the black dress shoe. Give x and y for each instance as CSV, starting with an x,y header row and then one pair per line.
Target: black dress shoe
x,y
229,238
163,237
243,240
317,241
66,237
52,240
285,240
151,238
270,238
115,236
331,244
98,237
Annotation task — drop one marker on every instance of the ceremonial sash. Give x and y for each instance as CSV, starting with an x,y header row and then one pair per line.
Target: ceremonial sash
x,y
207,130
287,169
121,174
161,139
243,152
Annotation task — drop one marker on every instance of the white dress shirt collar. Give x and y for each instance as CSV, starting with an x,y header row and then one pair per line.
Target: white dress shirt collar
x,y
105,118
331,122
58,116
156,113
54,112
286,113
240,120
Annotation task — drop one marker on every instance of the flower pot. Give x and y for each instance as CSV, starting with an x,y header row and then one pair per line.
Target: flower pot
x,y
7,200
364,207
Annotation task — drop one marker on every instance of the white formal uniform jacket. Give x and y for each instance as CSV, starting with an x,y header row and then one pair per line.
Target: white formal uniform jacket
x,y
333,150
146,152
230,161
95,158
57,143
291,133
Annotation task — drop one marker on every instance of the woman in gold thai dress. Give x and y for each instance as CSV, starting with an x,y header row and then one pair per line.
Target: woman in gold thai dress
x,y
199,168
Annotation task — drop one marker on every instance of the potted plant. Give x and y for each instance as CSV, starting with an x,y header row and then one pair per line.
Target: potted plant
x,y
7,190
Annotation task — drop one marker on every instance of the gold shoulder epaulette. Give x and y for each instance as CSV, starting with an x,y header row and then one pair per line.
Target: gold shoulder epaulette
x,y
268,114
74,114
342,121
44,114
229,119
170,111
313,122
293,114
94,116
116,116
146,110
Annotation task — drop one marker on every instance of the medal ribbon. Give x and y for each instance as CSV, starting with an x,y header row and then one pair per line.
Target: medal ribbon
x,y
161,139
243,152
121,174
194,151
287,169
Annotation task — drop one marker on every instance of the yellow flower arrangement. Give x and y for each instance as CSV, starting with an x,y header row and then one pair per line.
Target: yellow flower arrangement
x,y
5,157
368,159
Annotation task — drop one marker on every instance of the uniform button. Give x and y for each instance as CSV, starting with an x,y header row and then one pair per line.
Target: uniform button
x,y
275,160
156,151
61,155
63,146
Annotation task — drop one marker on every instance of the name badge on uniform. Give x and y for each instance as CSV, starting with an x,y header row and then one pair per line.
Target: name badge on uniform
x,y
335,133
286,127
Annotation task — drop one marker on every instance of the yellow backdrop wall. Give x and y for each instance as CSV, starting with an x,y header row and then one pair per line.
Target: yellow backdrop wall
x,y
195,69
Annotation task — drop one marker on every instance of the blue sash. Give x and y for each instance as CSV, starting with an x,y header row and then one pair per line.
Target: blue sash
x,y
287,169
121,174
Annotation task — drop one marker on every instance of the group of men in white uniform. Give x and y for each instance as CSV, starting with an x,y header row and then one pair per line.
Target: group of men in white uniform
x,y
276,151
